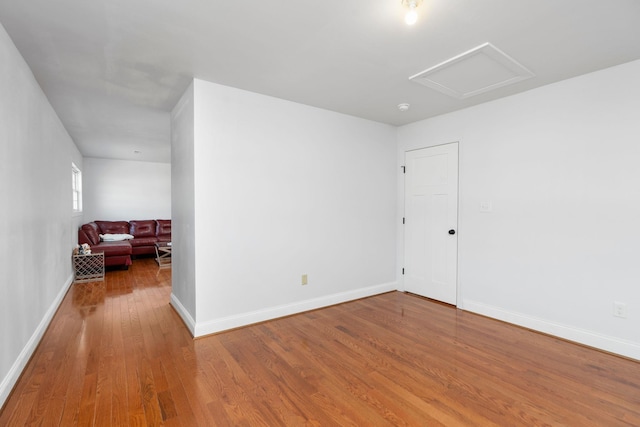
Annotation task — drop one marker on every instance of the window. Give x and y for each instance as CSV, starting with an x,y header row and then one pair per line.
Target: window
x,y
76,188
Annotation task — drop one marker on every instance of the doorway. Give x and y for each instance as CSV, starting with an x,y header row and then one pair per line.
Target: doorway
x,y
431,222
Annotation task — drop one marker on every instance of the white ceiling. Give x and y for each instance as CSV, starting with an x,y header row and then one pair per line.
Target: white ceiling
x,y
113,69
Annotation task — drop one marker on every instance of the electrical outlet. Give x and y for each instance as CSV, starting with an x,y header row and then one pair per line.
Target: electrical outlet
x,y
304,279
620,309
486,206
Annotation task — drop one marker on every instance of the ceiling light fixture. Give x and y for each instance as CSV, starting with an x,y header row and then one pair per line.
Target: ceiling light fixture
x,y
403,107
412,16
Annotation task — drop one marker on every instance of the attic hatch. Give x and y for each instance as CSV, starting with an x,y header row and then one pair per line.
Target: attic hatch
x,y
479,70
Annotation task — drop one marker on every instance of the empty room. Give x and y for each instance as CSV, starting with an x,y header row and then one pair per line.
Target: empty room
x,y
400,212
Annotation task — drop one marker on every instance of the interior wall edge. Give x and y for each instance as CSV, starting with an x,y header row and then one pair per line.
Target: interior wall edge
x,y
271,313
581,336
183,313
10,380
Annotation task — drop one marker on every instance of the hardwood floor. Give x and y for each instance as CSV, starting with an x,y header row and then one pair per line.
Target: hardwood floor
x,y
117,354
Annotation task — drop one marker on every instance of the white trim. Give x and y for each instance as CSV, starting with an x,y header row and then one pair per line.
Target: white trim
x,y
183,313
9,381
467,71
76,188
244,319
582,336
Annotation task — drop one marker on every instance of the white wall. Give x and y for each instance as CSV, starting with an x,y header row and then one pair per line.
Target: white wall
x,y
560,166
183,236
122,190
38,229
281,190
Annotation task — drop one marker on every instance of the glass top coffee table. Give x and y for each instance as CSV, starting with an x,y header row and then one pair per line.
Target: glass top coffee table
x,y
163,254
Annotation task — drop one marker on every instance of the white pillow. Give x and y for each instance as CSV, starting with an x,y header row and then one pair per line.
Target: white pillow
x,y
115,237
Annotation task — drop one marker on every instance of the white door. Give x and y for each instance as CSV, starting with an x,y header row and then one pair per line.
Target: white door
x,y
431,222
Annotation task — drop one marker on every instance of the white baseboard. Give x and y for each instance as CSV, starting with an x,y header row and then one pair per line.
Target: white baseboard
x,y
592,339
184,314
23,358
244,319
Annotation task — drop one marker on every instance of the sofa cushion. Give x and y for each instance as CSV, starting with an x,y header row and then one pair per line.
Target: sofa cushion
x,y
113,227
117,260
163,228
144,228
143,241
92,232
112,248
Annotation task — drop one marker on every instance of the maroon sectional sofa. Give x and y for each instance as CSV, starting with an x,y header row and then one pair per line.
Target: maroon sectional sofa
x,y
145,235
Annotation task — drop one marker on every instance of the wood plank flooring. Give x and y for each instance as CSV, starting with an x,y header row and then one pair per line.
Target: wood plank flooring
x,y
116,354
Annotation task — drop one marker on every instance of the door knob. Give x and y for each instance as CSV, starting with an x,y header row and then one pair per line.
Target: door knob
x,y
452,232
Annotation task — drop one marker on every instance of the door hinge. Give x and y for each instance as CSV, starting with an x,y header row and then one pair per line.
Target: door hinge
x,y
404,169
403,271
403,220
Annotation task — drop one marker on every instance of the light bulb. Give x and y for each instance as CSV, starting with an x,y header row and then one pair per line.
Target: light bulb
x,y
411,17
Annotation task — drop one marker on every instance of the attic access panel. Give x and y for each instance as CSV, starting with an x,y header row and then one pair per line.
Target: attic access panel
x,y
471,73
